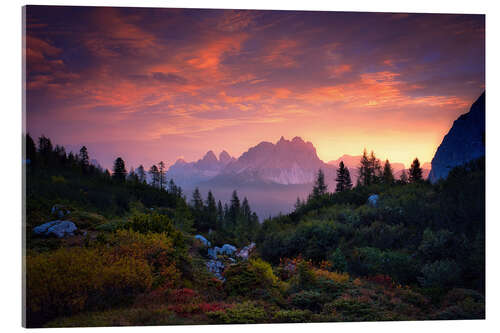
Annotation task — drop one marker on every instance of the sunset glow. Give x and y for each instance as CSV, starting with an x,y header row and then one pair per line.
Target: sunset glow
x,y
151,85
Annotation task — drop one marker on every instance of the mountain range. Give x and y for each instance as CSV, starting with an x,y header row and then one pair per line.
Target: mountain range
x,y
270,175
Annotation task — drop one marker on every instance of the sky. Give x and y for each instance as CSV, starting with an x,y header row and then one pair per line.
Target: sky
x,y
161,84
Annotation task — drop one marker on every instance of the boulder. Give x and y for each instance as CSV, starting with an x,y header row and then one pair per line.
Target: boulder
x,y
216,267
213,252
244,253
373,200
59,210
203,240
57,228
228,249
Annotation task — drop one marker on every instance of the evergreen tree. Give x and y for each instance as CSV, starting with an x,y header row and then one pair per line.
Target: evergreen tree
x,y
376,167
234,209
132,176
365,170
211,212
298,204
30,153
246,212
119,171
45,150
71,159
320,187
415,172
155,176
403,179
220,216
343,179
387,176
370,169
141,174
198,208
174,189
161,175
84,159
60,155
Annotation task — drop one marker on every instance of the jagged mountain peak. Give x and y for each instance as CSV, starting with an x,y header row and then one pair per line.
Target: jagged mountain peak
x,y
224,157
464,142
210,156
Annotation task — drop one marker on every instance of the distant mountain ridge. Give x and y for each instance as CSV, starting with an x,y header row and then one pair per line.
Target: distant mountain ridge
x,y
464,142
188,173
286,162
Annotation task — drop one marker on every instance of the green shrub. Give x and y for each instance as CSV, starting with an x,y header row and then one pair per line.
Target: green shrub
x,y
308,299
351,310
243,313
145,223
441,273
249,277
338,260
462,304
86,220
292,316
67,281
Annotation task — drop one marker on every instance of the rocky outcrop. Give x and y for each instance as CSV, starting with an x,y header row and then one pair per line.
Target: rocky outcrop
x,y
202,239
464,142
373,200
245,252
56,228
59,210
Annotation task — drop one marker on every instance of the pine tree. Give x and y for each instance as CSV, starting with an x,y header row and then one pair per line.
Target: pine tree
x,y
298,204
370,169
343,179
161,175
84,159
132,176
387,176
141,174
220,216
174,189
211,212
198,208
403,179
320,187
234,209
415,172
155,176
376,167
119,171
45,150
30,153
365,170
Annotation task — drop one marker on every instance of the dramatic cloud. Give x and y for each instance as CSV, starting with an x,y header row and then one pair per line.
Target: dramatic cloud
x,y
155,84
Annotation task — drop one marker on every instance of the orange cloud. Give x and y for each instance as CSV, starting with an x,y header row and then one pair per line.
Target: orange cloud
x,y
339,70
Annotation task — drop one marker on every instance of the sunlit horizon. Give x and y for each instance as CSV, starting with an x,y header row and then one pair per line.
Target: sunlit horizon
x,y
153,85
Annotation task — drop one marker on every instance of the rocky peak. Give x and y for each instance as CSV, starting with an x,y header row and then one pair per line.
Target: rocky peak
x,y
464,142
224,157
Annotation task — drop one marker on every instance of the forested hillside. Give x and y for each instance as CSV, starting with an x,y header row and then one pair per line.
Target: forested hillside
x,y
383,249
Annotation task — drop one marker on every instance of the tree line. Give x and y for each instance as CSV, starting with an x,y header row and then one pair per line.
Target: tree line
x,y
370,171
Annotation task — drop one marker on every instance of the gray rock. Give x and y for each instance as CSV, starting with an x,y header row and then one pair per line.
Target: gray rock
x,y
216,267
57,228
244,253
373,200
213,252
203,240
59,210
464,142
228,249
